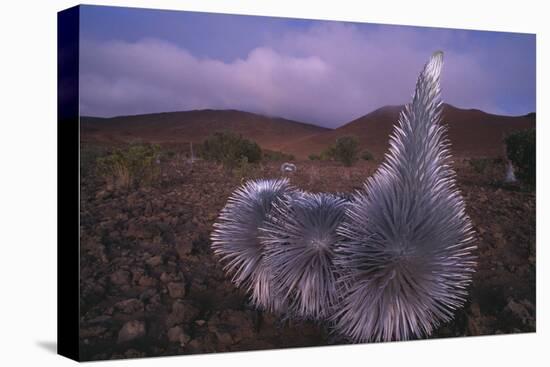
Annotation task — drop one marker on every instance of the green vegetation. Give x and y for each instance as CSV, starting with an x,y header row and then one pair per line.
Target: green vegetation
x,y
243,169
133,165
168,154
314,157
493,169
328,154
271,155
89,154
480,165
367,156
229,149
520,149
345,150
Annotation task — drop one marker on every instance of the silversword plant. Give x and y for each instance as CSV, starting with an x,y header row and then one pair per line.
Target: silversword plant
x,y
391,263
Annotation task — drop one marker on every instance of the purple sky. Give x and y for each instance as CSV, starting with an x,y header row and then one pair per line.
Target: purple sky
x,y
136,61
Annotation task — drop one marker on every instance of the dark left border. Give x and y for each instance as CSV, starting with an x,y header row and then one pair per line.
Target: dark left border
x,y
68,183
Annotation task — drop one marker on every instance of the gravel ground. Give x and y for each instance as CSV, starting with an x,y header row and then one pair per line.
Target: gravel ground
x,y
151,286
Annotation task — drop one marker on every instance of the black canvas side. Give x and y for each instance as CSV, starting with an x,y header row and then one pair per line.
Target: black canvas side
x,y
68,241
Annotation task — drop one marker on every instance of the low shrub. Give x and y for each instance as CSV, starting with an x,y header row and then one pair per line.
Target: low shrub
x,y
89,155
134,165
271,155
345,150
367,156
328,154
229,149
521,150
480,165
243,169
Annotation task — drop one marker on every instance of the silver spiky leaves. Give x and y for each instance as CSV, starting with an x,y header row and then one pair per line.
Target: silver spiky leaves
x,y
407,257
235,238
392,263
299,238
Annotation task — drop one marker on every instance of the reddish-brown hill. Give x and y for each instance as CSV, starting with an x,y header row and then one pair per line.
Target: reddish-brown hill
x,y
195,126
471,132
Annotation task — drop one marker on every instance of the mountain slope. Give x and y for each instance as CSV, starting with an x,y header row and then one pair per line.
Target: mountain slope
x,y
195,126
471,132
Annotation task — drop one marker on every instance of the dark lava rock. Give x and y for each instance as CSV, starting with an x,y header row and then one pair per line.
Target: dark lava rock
x,y
136,230
184,248
148,209
223,337
100,319
154,303
176,290
120,277
522,311
148,293
147,281
181,312
92,331
154,261
130,353
177,335
231,326
166,277
129,306
131,330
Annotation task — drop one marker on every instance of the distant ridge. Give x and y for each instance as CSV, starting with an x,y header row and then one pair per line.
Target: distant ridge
x,y
194,126
472,132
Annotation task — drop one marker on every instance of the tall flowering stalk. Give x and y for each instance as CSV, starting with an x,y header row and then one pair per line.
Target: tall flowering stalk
x,y
407,257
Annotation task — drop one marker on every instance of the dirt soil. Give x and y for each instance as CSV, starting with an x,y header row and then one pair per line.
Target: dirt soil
x,y
150,284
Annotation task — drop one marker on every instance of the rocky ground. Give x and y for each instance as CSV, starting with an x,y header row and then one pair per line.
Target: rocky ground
x,y
151,286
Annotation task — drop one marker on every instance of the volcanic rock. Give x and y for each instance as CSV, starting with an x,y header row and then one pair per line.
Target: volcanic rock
x,y
176,335
120,277
129,306
181,312
176,290
154,261
184,248
131,330
147,281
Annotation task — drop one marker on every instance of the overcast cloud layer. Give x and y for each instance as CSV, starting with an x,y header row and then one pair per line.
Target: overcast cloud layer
x,y
326,74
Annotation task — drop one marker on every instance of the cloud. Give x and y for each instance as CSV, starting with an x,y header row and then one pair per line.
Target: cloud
x,y
328,74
